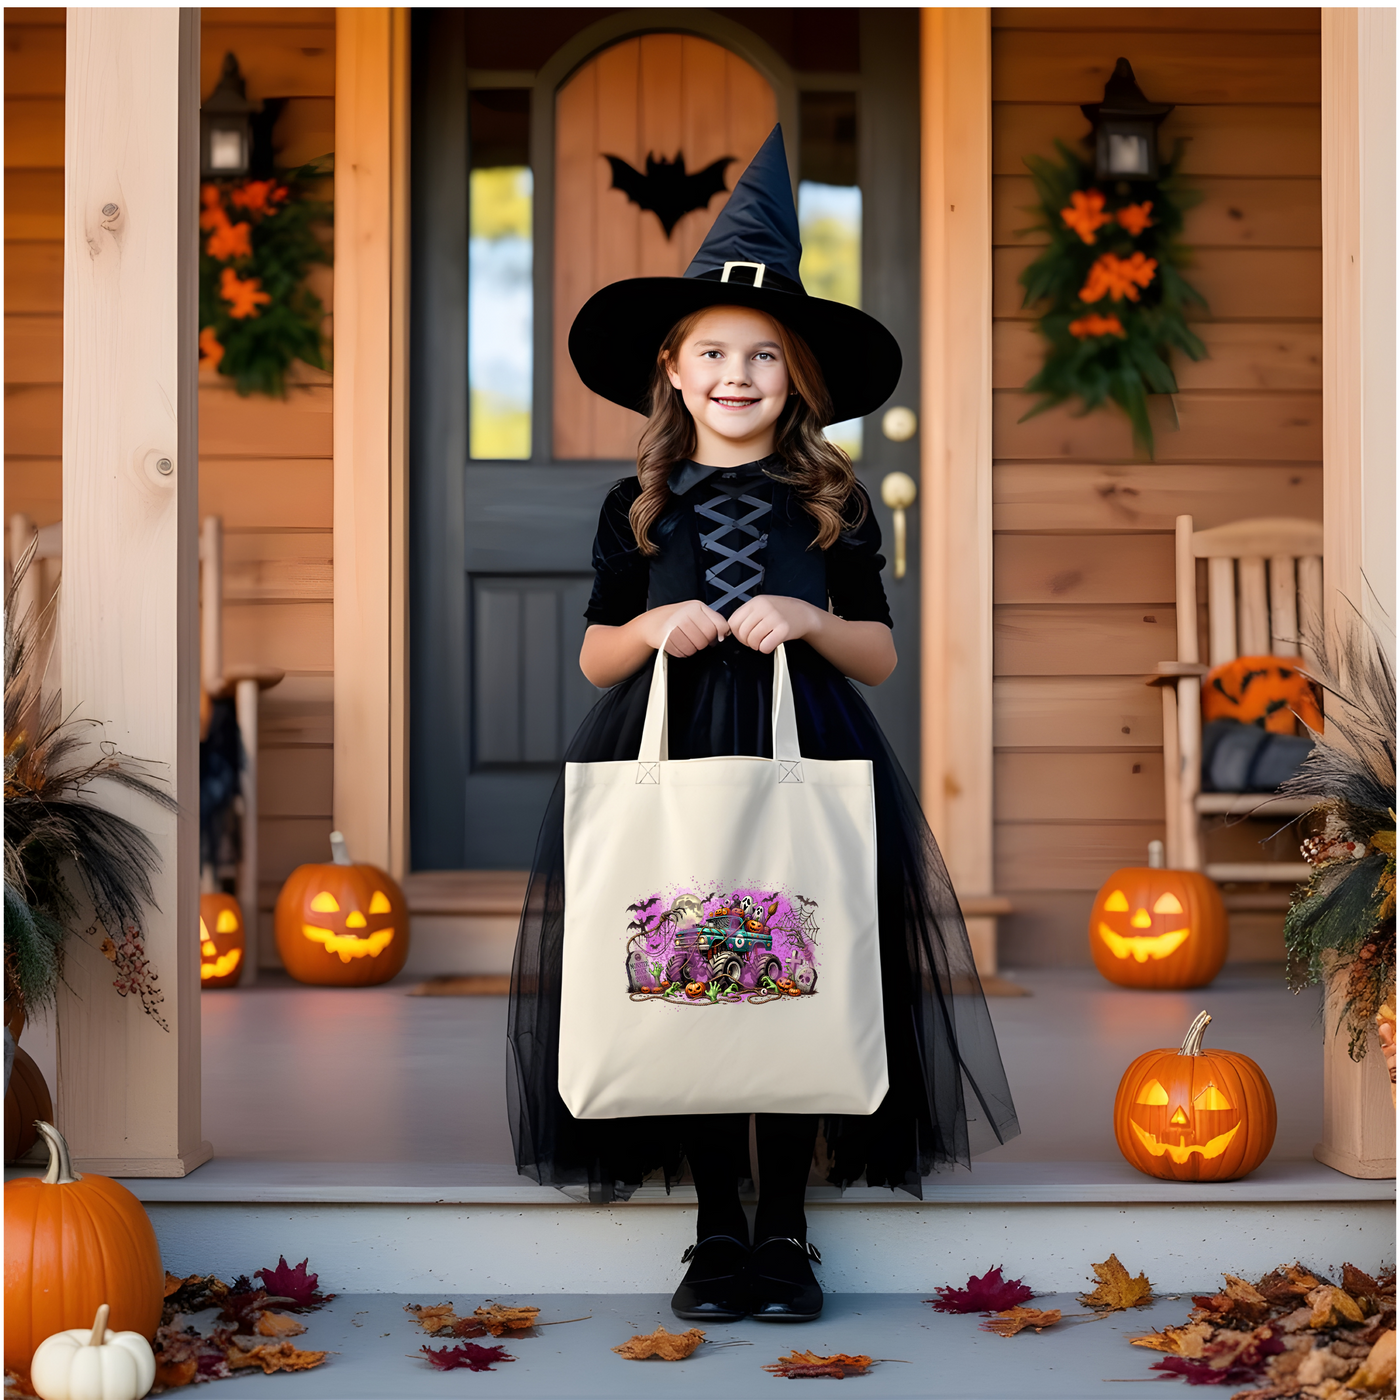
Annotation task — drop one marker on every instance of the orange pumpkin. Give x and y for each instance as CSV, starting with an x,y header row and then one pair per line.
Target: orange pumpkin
x,y
26,1099
1158,928
73,1243
221,940
1264,690
341,925
1194,1114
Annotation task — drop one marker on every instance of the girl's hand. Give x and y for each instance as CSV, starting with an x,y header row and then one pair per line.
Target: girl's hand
x,y
765,621
692,627
611,654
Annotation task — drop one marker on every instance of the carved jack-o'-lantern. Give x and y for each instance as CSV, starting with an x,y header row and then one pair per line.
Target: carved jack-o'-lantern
x,y
1158,928
221,940
342,924
1195,1115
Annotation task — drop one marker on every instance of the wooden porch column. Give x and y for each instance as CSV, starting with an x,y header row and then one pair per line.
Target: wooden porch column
x,y
371,259
128,1090
1358,317
1358,461
956,501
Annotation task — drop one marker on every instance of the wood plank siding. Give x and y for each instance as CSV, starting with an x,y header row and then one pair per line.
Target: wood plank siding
x,y
265,464
1083,574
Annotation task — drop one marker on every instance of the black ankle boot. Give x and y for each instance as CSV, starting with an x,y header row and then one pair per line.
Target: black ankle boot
x,y
781,1284
712,1289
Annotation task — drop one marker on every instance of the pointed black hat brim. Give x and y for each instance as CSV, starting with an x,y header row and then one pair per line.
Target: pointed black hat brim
x,y
616,336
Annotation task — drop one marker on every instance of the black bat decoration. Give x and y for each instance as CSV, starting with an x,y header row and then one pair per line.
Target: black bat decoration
x,y
643,904
666,189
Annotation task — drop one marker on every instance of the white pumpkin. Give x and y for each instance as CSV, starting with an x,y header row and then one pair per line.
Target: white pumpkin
x,y
93,1365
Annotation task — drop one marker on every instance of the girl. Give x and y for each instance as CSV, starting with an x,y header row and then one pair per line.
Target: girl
x,y
746,528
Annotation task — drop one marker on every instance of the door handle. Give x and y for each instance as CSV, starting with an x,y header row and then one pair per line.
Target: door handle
x,y
898,491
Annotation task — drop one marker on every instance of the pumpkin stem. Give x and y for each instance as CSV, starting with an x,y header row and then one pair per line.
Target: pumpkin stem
x,y
99,1326
1192,1044
60,1172
340,851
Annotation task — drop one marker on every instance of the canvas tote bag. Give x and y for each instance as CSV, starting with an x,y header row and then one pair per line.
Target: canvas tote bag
x,y
721,948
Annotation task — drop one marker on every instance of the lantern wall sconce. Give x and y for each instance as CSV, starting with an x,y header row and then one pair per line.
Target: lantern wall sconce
x,y
1125,128
225,126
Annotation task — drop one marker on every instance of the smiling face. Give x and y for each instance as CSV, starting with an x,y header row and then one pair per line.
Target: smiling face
x,y
221,941
347,923
1184,1120
1158,928
342,925
1141,934
733,377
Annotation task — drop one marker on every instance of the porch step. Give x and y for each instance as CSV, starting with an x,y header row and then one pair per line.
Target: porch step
x,y
375,1353
400,1227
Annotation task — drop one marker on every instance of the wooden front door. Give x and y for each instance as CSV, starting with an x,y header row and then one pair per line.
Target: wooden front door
x,y
501,544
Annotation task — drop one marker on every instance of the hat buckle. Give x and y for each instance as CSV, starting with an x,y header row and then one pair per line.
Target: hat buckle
x,y
758,271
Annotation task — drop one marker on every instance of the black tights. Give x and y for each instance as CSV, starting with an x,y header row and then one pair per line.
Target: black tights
x,y
717,1147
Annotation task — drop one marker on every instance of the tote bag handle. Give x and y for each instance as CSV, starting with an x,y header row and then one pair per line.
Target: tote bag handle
x,y
785,746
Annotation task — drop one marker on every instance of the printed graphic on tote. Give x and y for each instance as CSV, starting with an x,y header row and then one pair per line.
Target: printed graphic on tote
x,y
732,946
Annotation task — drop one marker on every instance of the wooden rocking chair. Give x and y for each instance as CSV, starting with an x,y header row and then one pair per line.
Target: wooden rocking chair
x,y
1264,598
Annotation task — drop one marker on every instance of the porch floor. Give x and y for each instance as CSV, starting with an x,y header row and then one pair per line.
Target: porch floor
x,y
374,1347
373,1075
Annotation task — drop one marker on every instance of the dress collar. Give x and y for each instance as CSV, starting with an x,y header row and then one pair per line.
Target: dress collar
x,y
690,474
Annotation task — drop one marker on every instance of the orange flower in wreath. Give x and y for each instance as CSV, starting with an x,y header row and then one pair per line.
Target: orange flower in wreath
x,y
210,351
1136,217
212,216
1085,214
229,242
1118,277
1093,324
258,196
243,294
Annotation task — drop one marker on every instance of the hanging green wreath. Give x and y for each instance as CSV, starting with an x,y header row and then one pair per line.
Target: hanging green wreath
x,y
258,241
1111,277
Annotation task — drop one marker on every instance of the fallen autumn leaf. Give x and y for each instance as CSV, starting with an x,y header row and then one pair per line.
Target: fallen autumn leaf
x,y
274,1356
667,1346
1013,1320
806,1365
275,1324
990,1293
1117,1289
466,1356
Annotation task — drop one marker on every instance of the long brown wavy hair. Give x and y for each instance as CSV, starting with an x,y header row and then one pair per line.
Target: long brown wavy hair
x,y
819,471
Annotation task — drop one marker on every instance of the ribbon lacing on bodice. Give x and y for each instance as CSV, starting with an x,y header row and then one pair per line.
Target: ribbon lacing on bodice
x,y
733,535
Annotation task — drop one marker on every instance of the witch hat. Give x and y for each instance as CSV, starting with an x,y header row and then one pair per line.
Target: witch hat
x,y
750,257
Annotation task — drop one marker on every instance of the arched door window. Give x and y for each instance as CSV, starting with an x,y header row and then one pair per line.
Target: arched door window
x,y
670,97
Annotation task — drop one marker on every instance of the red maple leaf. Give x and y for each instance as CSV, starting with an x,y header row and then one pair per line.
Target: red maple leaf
x,y
990,1293
295,1286
466,1355
1203,1373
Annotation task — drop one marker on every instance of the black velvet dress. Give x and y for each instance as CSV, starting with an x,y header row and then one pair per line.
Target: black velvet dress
x,y
724,537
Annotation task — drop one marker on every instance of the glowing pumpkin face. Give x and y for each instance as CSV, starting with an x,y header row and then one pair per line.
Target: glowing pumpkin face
x,y
342,925
1158,928
1206,1123
1195,1115
221,941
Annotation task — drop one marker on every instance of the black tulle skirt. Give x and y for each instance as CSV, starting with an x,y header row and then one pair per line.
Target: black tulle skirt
x,y
948,1095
